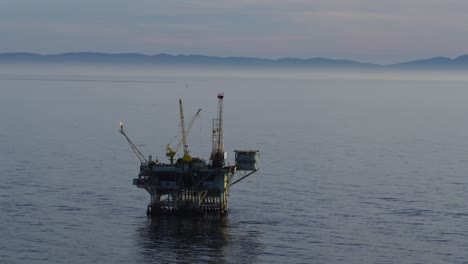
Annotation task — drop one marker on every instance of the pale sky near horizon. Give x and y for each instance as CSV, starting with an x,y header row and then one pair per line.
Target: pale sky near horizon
x,y
379,31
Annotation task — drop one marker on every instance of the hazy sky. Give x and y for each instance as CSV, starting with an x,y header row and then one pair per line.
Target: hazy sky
x,y
381,31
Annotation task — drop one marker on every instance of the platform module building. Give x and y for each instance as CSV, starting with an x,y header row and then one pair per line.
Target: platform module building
x,y
190,185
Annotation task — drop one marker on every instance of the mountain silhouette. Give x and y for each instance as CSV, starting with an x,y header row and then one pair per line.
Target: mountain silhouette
x,y
167,59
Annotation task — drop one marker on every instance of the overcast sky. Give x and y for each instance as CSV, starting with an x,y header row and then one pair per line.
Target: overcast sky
x,y
382,31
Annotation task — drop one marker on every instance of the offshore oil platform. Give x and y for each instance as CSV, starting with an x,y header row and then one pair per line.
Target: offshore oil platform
x,y
190,185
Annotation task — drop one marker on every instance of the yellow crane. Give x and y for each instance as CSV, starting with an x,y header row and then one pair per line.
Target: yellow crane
x,y
171,152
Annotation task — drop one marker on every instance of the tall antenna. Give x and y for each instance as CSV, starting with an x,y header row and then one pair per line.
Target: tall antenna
x,y
217,153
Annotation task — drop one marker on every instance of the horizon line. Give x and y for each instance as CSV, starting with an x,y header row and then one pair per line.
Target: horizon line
x,y
234,57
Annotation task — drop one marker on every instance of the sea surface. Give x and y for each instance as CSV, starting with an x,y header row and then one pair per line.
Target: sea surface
x,y
355,167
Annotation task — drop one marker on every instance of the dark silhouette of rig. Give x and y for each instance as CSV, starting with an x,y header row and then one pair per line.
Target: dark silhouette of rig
x,y
190,185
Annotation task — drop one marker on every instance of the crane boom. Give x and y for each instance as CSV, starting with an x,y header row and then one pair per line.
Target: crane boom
x,y
186,156
189,127
137,152
171,152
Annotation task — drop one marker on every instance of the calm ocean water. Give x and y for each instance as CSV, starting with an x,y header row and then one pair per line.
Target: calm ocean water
x,y
355,168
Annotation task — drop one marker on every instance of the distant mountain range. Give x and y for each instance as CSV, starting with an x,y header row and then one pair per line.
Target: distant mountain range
x,y
165,59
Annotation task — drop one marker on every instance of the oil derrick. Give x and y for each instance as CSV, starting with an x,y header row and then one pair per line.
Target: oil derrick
x,y
217,154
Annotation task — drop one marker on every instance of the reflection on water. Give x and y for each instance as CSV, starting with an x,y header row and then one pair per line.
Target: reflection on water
x,y
168,239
